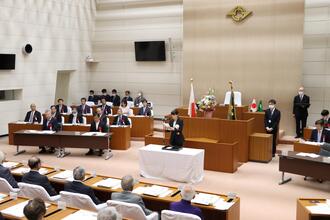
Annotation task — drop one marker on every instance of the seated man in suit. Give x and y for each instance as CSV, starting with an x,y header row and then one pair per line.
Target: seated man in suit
x,y
320,134
34,177
75,117
176,128
5,172
77,185
127,184
145,110
35,209
84,109
138,100
127,96
97,126
60,107
115,99
121,119
108,213
106,109
33,116
272,121
125,108
325,118
92,97
55,114
100,113
105,95
50,124
184,206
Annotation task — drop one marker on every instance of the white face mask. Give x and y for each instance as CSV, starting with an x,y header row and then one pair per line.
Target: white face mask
x,y
139,94
271,106
301,93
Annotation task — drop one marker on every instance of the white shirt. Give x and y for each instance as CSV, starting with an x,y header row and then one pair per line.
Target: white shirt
x,y
319,136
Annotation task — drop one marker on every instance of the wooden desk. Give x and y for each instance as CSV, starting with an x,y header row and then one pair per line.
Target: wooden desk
x,y
259,123
308,133
306,148
120,141
317,168
304,214
260,148
141,125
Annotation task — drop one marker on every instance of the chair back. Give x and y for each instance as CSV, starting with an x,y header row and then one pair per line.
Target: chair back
x,y
84,120
63,119
130,122
90,103
109,104
171,215
34,191
5,187
237,98
130,104
77,200
128,210
69,109
130,112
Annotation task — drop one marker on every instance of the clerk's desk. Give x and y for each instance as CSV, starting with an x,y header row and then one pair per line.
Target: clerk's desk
x,y
153,203
304,214
306,147
120,139
141,125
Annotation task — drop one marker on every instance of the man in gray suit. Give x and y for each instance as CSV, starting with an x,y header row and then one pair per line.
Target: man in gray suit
x,y
126,195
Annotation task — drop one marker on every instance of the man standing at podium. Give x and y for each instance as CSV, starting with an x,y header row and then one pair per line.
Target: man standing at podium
x,y
272,121
300,111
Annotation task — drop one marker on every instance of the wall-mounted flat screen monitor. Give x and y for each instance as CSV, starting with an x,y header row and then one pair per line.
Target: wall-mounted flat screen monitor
x,y
7,61
150,51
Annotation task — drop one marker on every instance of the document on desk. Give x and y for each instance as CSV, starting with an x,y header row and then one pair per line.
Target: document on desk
x,y
93,134
22,122
311,143
157,191
64,175
109,183
17,210
312,155
82,215
205,199
221,204
23,170
10,165
47,132
321,208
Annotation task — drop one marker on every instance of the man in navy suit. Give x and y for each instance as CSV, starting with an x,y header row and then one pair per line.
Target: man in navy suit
x,y
115,99
83,109
55,114
97,126
272,122
75,117
184,206
121,119
77,185
34,177
49,124
106,109
320,134
127,97
92,97
33,116
300,111
105,95
145,110
60,107
5,172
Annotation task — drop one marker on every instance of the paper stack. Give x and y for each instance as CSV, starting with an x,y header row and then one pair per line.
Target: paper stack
x,y
17,210
82,215
9,165
321,208
93,134
109,183
312,155
64,175
221,204
205,199
154,190
23,170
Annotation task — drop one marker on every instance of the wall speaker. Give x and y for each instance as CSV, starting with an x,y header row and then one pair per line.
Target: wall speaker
x,y
27,49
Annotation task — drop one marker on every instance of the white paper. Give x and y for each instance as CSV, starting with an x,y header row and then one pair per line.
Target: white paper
x,y
23,170
321,208
82,215
222,205
47,132
139,190
155,190
312,155
205,199
109,183
17,210
9,164
93,134
64,175
311,143
21,122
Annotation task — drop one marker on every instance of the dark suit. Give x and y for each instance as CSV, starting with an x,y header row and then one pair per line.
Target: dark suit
x,y
36,117
64,109
145,111
84,109
300,110
79,119
51,125
115,100
121,120
58,117
102,127
272,120
79,187
34,177
127,99
93,98
186,207
129,197
326,123
6,174
177,138
105,109
106,97
325,136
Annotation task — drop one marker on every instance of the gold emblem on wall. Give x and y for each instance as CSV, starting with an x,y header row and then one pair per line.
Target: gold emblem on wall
x,y
239,14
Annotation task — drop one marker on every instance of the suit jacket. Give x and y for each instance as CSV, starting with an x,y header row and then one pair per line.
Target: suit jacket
x,y
129,197
145,112
324,138
115,100
79,119
52,125
272,120
300,106
81,110
64,109
137,101
106,109
102,127
93,98
58,117
107,97
6,174
127,99
79,187
123,121
326,123
177,138
36,117
34,177
186,207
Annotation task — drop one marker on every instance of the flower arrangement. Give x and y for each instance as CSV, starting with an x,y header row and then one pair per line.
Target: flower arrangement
x,y
208,102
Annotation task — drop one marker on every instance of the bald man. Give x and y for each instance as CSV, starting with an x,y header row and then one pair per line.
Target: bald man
x,y
33,116
300,111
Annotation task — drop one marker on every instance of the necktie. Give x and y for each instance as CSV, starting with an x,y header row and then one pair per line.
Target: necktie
x,y
31,117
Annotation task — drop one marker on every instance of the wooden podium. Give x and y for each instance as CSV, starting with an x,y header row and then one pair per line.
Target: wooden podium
x,y
260,147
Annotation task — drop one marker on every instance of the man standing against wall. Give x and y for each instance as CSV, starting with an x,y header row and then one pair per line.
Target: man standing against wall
x,y
300,111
